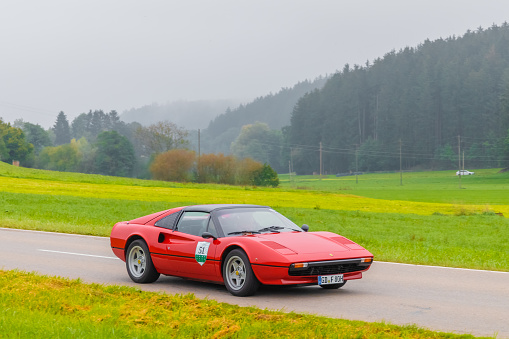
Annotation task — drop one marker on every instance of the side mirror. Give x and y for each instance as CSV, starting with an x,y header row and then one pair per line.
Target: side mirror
x,y
305,228
207,235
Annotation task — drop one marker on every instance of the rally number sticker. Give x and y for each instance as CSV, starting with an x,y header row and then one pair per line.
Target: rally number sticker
x,y
201,252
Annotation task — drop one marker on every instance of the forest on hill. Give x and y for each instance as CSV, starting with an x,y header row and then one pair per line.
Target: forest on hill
x,y
426,103
274,110
434,106
187,114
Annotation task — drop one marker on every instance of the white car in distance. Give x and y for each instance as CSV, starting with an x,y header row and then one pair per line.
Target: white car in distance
x,y
464,172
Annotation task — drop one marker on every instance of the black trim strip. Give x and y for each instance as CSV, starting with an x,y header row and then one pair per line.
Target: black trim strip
x,y
334,262
269,265
178,256
118,248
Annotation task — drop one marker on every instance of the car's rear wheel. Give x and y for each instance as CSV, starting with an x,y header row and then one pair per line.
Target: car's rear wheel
x,y
238,275
333,286
139,263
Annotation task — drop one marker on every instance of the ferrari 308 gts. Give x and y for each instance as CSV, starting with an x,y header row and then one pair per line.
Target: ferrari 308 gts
x,y
241,246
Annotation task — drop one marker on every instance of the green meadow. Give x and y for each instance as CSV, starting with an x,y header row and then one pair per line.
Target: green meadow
x,y
486,187
429,220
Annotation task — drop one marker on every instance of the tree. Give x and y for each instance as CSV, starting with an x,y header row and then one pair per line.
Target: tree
x,y
81,126
372,156
64,158
13,144
259,142
266,176
161,137
173,165
247,168
62,130
427,96
114,155
37,136
506,152
216,168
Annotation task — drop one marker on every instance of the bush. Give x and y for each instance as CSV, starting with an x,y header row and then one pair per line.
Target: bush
x,y
246,170
266,176
173,165
183,166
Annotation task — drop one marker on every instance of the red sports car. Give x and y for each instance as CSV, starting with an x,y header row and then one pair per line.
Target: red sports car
x,y
238,245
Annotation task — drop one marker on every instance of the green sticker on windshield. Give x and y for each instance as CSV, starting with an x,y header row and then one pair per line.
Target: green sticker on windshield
x,y
201,252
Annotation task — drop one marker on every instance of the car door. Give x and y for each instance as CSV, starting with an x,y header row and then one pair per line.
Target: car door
x,y
160,245
193,255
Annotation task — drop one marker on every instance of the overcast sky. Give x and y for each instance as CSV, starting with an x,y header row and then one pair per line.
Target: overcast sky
x,y
73,56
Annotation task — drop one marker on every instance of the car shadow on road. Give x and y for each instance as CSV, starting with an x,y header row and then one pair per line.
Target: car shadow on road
x,y
211,290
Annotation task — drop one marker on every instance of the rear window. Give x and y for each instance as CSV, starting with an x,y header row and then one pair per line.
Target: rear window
x,y
168,221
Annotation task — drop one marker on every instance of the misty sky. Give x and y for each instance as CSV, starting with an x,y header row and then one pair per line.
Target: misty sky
x,y
73,56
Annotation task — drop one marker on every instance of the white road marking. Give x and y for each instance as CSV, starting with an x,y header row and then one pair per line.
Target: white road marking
x,y
94,236
82,254
444,267
47,232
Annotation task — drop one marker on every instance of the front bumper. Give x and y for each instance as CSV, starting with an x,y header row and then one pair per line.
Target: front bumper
x,y
278,275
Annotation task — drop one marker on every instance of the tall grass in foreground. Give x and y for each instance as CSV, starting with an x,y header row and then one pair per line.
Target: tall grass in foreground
x,y
33,306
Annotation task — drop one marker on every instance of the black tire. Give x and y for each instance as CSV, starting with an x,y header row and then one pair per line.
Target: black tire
x,y
333,286
139,263
238,275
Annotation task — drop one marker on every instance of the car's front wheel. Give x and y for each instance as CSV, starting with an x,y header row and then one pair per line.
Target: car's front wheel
x,y
333,286
139,263
238,275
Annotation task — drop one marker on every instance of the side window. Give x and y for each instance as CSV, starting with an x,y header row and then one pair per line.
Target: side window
x,y
168,221
194,223
212,228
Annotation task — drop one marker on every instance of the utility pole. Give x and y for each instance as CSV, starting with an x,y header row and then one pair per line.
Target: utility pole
x,y
199,150
356,164
291,159
400,167
321,163
459,160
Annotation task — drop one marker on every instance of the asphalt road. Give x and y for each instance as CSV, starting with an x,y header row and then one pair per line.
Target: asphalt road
x,y
444,299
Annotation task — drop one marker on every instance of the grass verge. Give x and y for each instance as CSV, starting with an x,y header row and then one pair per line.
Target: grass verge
x,y
39,306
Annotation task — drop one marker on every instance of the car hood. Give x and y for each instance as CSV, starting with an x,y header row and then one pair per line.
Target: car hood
x,y
307,243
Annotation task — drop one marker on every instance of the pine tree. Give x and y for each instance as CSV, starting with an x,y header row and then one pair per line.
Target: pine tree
x,y
62,130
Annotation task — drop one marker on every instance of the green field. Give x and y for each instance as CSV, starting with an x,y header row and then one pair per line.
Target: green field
x,y
428,220
424,228
486,187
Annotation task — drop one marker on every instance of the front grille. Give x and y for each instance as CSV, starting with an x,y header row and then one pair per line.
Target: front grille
x,y
326,269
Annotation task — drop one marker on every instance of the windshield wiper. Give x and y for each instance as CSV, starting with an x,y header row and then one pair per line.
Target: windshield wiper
x,y
242,232
271,229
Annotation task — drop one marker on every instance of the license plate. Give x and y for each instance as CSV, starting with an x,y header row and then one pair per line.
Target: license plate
x,y
330,279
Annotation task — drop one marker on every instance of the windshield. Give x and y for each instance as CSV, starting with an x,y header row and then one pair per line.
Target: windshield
x,y
240,221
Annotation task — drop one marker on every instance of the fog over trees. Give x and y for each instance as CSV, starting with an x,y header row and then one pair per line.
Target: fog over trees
x,y
436,97
425,106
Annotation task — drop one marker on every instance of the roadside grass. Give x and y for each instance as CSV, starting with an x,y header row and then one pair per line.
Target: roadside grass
x,y
471,241
468,241
39,306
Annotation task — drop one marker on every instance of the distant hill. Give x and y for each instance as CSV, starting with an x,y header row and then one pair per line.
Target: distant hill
x,y
435,97
272,109
187,114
